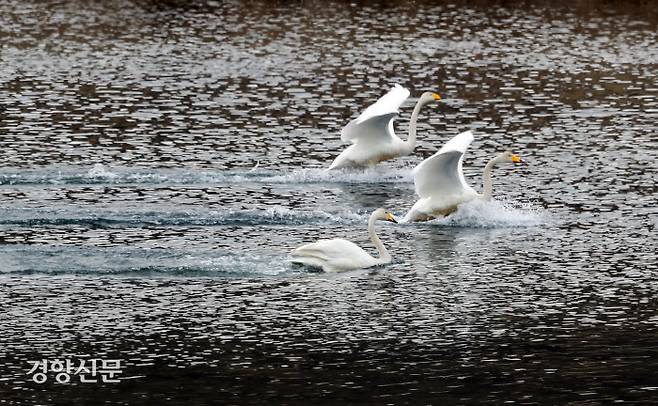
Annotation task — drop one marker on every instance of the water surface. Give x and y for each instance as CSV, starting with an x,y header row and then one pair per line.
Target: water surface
x,y
160,162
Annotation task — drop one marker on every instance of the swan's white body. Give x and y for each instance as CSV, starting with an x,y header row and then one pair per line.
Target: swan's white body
x,y
372,135
336,254
341,255
440,182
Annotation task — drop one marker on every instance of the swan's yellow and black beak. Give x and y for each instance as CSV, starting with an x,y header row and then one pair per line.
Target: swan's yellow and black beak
x,y
389,217
436,97
515,159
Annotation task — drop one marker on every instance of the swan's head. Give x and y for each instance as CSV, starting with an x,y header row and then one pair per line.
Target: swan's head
x,y
509,157
383,214
429,97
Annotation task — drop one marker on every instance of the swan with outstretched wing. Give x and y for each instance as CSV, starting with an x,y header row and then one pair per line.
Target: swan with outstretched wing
x,y
372,134
440,182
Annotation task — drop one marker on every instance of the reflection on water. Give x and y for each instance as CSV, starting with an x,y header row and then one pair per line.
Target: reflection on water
x,y
160,161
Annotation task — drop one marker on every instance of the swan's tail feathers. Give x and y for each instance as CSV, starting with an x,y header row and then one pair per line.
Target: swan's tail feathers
x,y
341,161
310,256
418,212
414,213
308,251
308,262
412,216
415,217
336,163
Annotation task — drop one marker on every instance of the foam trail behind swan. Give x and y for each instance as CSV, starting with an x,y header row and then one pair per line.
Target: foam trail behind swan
x,y
100,174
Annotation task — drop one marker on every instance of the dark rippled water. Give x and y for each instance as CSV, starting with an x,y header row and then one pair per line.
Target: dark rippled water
x,y
159,162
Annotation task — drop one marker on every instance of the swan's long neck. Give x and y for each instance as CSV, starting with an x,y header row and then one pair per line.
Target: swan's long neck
x,y
384,256
410,143
487,187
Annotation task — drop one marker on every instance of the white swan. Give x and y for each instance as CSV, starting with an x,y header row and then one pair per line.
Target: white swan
x,y
440,182
372,135
342,255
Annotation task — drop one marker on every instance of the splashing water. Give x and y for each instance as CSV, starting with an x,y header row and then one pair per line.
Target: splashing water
x,y
478,213
135,217
100,174
99,171
494,303
378,174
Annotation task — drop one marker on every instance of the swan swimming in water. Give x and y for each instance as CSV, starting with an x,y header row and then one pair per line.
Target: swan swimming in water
x,y
341,255
372,134
440,182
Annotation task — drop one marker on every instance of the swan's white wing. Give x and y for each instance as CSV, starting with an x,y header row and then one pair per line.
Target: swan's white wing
x,y
442,172
328,250
335,254
376,121
377,130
